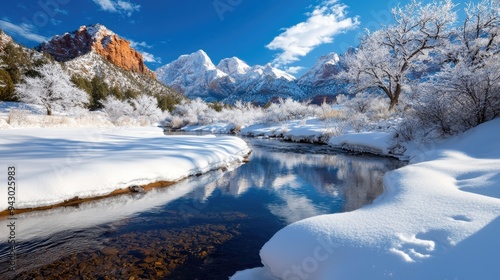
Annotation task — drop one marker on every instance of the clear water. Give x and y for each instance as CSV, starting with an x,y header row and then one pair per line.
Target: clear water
x,y
206,227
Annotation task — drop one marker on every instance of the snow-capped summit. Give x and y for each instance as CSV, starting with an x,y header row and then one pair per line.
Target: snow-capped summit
x,y
269,70
191,74
323,71
321,82
97,30
233,66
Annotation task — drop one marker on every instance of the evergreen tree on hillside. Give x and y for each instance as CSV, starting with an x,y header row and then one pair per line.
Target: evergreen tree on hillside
x,y
6,86
99,92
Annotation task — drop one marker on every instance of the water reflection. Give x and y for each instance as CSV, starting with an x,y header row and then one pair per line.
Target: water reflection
x,y
227,214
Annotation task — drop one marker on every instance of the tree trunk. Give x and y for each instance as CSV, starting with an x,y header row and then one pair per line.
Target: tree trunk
x,y
49,112
395,97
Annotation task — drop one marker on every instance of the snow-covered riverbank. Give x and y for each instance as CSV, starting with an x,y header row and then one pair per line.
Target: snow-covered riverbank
x,y
313,130
57,164
439,218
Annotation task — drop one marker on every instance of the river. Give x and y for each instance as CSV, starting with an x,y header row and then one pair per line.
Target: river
x,y
205,227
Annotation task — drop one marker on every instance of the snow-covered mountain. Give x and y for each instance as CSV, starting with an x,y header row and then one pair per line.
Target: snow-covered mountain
x,y
322,72
232,79
96,50
234,67
322,81
195,75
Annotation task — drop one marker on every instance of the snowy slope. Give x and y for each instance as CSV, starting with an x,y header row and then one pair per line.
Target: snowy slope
x,y
322,78
91,64
439,218
324,70
57,164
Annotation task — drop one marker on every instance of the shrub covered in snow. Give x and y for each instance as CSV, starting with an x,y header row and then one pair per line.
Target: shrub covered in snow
x,y
142,110
287,110
52,89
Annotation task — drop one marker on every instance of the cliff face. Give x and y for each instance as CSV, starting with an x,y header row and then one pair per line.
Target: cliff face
x,y
119,52
100,40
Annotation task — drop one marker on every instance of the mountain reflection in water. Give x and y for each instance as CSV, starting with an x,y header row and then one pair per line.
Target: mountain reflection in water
x,y
212,224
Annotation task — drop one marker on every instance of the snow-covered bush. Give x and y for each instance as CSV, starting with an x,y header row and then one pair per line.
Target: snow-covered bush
x,y
286,110
146,108
327,112
116,108
241,115
142,111
52,89
18,117
371,105
192,112
358,122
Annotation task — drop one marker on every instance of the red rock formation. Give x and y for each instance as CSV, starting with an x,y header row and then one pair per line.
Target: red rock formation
x,y
99,39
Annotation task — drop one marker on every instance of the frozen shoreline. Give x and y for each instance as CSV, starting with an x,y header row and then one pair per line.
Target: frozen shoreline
x,y
439,218
312,131
57,164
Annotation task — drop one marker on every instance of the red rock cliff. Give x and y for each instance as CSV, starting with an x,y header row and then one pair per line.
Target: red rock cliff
x,y
101,40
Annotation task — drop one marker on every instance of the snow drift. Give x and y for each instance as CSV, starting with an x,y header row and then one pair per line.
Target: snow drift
x,y
57,164
437,219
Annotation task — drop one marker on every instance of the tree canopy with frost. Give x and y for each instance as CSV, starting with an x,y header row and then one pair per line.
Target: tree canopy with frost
x,y
51,89
146,106
466,92
116,108
387,57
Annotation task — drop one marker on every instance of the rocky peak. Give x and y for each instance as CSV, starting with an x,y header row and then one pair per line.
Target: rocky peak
x,y
96,38
4,39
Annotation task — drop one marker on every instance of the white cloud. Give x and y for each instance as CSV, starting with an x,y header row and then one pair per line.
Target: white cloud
x,y
62,11
150,58
106,5
55,21
294,69
135,44
120,6
23,30
323,23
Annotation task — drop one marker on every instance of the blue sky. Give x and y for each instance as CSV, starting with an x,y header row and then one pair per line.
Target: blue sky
x,y
291,35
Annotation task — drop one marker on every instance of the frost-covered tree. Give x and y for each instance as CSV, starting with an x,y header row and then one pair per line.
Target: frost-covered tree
x,y
478,40
466,92
146,106
116,108
52,89
387,57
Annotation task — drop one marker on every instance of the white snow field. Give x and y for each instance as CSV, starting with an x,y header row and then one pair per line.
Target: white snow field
x,y
439,218
57,164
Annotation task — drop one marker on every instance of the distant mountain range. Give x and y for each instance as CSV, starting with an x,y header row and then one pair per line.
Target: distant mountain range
x,y
95,50
195,75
